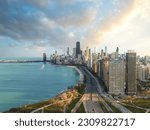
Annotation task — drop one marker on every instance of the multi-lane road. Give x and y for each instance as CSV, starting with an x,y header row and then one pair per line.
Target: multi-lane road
x,y
91,98
95,93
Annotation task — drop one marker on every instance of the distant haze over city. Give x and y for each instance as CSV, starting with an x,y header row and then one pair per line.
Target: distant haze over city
x,y
30,27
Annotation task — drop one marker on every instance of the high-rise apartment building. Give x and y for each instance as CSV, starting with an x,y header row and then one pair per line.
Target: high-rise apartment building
x,y
142,72
117,77
131,79
146,60
74,52
104,71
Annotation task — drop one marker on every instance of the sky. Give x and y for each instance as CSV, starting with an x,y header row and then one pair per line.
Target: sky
x,y
30,27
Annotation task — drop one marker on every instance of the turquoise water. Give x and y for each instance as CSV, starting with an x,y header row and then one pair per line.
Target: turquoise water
x,y
26,83
21,58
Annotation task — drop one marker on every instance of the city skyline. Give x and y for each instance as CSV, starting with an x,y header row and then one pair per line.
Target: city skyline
x,y
121,73
29,28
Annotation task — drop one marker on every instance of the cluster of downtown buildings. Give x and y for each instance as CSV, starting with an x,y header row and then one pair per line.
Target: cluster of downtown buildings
x,y
121,73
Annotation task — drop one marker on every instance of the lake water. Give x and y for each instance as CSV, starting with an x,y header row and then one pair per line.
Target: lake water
x,y
26,83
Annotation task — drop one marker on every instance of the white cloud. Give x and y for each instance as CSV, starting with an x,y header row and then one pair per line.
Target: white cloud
x,y
60,23
71,34
133,33
48,23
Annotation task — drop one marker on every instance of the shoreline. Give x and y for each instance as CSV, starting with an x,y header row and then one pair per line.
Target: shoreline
x,y
81,79
59,98
57,94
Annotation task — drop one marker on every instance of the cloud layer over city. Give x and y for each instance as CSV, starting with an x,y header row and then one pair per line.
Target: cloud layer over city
x,y
31,27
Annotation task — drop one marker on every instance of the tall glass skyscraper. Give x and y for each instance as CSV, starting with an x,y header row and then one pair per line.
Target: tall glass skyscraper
x,y
131,83
78,51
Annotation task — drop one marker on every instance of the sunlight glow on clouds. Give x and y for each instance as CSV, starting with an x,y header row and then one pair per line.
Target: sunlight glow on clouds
x,y
46,25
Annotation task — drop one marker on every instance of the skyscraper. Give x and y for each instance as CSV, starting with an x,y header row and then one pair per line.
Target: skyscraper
x,y
102,54
68,51
74,52
131,84
146,60
78,51
105,50
142,72
104,71
44,57
117,77
117,50
87,52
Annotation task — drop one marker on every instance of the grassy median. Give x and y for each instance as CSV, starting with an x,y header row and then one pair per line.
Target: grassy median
x,y
81,109
134,109
131,104
103,107
114,109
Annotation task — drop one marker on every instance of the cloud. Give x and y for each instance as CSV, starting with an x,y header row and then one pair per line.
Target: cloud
x,y
98,33
60,23
133,30
36,20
